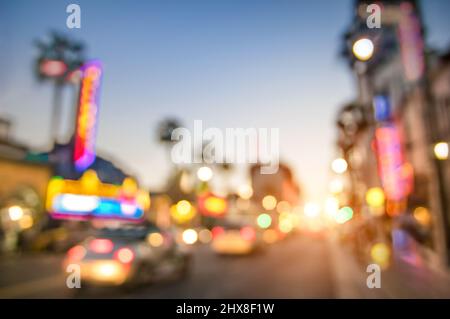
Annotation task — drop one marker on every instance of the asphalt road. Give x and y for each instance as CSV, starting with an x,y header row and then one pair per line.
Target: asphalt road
x,y
298,267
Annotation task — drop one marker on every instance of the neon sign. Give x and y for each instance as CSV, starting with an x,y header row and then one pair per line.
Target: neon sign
x,y
396,174
90,198
88,106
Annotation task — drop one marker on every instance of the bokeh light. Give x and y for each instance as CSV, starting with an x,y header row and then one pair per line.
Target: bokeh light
x,y
363,49
422,216
381,254
15,213
269,202
344,215
441,151
375,197
155,239
205,236
311,210
339,166
204,173
190,236
264,221
245,191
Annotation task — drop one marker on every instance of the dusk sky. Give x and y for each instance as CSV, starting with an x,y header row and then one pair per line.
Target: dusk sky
x,y
230,63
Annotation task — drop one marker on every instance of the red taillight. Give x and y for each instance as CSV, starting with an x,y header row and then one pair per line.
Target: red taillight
x,y
101,246
248,233
124,255
76,253
216,231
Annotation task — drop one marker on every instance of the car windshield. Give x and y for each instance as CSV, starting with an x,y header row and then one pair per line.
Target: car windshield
x,y
128,232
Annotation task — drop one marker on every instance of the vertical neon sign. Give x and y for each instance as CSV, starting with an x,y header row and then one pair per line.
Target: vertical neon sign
x,y
88,106
396,174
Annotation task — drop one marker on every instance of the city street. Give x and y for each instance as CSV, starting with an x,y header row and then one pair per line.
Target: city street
x,y
225,149
299,267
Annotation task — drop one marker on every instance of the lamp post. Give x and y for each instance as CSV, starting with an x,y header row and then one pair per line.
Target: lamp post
x,y
363,50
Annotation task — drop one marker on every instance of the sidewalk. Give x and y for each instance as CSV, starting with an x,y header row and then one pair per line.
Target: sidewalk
x,y
407,278
349,276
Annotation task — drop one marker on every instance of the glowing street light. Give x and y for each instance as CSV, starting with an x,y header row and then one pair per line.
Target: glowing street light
x,y
344,215
363,49
15,213
183,211
422,216
381,254
264,221
375,197
204,173
441,151
269,202
311,210
339,166
190,236
245,191
336,186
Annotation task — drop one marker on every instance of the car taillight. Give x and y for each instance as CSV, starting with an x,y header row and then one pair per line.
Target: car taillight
x,y
76,253
248,233
124,255
216,231
101,246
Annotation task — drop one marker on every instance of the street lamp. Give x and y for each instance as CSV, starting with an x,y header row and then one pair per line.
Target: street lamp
x,y
363,49
15,213
441,151
339,166
204,173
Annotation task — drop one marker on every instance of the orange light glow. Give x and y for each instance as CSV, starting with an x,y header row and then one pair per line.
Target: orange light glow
x,y
125,255
76,253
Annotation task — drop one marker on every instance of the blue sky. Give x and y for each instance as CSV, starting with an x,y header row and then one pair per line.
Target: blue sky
x,y
230,63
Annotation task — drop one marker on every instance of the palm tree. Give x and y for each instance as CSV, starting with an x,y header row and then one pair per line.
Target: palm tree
x,y
57,60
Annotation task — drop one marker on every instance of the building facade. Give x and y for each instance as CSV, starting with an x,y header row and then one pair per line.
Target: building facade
x,y
403,101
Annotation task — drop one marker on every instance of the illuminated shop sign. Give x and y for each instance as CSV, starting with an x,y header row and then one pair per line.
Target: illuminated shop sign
x,y
86,123
89,198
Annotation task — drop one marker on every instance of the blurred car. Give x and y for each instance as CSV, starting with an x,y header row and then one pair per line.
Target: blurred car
x,y
235,240
128,256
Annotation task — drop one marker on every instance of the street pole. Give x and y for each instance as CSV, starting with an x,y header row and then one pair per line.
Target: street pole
x,y
56,113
